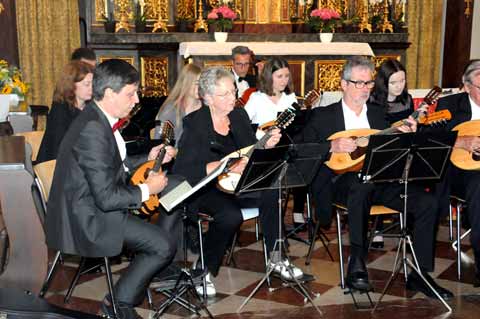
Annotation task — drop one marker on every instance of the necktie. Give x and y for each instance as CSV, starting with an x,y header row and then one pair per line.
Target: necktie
x,y
117,125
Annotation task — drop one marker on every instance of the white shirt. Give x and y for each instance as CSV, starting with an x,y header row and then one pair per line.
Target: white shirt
x,y
122,149
352,121
242,86
261,109
475,109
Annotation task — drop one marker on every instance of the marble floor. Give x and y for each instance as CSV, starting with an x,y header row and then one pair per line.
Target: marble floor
x,y
235,282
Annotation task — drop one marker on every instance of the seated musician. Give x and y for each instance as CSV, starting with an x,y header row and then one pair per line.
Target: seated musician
x,y
353,112
275,92
209,134
88,207
465,183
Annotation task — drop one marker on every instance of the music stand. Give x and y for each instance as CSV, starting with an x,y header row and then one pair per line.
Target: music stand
x,y
403,158
277,168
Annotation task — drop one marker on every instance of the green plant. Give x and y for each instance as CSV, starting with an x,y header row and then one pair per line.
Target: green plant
x,y
11,80
140,17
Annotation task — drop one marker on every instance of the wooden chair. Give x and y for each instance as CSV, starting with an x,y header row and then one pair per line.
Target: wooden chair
x,y
36,112
459,204
44,172
376,210
34,139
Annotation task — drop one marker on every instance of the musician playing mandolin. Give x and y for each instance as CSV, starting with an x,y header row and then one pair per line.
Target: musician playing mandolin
x,y
210,133
353,112
90,197
465,107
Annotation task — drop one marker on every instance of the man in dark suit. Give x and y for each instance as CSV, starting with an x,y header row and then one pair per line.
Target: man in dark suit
x,y
242,61
466,184
353,112
87,211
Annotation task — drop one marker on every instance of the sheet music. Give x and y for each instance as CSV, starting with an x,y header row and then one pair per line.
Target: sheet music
x,y
185,190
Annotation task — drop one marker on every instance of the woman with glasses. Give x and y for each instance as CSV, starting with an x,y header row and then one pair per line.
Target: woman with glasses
x,y
275,92
182,100
390,92
210,133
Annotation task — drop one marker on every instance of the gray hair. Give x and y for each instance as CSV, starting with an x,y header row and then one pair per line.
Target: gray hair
x,y
209,79
356,61
240,49
472,69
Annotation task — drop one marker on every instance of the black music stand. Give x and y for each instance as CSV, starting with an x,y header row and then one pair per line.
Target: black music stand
x,y
403,158
277,168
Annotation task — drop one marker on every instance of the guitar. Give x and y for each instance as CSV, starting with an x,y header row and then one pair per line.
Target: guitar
x,y
352,162
310,99
228,181
460,157
150,206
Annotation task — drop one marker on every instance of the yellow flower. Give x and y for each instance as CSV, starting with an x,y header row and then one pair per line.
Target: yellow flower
x,y
6,89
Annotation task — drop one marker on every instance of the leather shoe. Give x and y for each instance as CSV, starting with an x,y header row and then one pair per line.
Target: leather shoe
x,y
124,311
357,275
415,283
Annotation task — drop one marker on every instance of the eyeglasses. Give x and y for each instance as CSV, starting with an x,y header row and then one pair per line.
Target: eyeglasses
x,y
242,65
361,84
474,85
227,93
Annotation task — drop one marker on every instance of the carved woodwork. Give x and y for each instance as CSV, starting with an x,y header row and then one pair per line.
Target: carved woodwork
x,y
154,76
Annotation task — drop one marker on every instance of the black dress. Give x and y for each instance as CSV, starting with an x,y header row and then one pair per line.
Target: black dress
x,y
59,118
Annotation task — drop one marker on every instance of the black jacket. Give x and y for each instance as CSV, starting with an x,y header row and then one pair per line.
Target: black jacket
x,y
198,145
459,106
89,198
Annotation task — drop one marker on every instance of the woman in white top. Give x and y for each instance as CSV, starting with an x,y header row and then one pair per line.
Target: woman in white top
x,y
275,92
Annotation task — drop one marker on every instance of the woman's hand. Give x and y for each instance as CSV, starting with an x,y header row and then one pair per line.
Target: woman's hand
x,y
411,126
275,136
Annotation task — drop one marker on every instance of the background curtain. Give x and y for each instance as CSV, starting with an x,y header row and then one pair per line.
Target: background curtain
x,y
48,32
425,35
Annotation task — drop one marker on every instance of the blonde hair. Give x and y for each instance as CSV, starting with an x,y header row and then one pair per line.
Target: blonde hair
x,y
186,79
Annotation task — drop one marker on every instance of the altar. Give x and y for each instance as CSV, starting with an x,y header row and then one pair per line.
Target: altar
x,y
313,65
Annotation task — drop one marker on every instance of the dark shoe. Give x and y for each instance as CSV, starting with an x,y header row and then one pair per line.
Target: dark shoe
x,y
476,280
415,283
377,242
124,311
357,275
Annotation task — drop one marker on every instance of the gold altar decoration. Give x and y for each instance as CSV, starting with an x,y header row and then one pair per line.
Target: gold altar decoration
x,y
186,9
468,10
200,23
327,74
364,24
125,13
154,79
386,25
160,9
2,8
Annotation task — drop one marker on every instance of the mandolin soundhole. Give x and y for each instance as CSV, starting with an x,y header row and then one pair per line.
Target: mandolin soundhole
x,y
358,152
476,157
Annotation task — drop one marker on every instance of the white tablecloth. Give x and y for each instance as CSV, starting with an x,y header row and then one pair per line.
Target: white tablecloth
x,y
188,49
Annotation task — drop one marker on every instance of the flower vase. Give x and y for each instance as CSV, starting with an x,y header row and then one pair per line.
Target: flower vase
x,y
220,36
326,37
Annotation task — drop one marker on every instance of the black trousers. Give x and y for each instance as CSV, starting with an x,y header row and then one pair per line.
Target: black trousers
x,y
466,185
421,206
154,250
226,212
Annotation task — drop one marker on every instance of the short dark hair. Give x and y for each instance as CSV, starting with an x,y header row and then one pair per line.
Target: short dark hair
x,y
240,49
113,74
265,84
84,53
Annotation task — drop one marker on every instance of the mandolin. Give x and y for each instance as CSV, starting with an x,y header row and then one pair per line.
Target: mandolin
x,y
150,206
353,162
310,99
460,157
227,182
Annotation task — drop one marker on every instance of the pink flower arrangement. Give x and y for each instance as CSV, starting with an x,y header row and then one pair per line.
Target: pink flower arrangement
x,y
222,18
323,20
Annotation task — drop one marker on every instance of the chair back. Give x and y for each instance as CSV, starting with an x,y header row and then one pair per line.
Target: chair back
x,y
34,139
44,176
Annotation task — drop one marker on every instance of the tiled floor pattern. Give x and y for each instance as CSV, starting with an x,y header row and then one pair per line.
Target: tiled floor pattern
x,y
235,282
